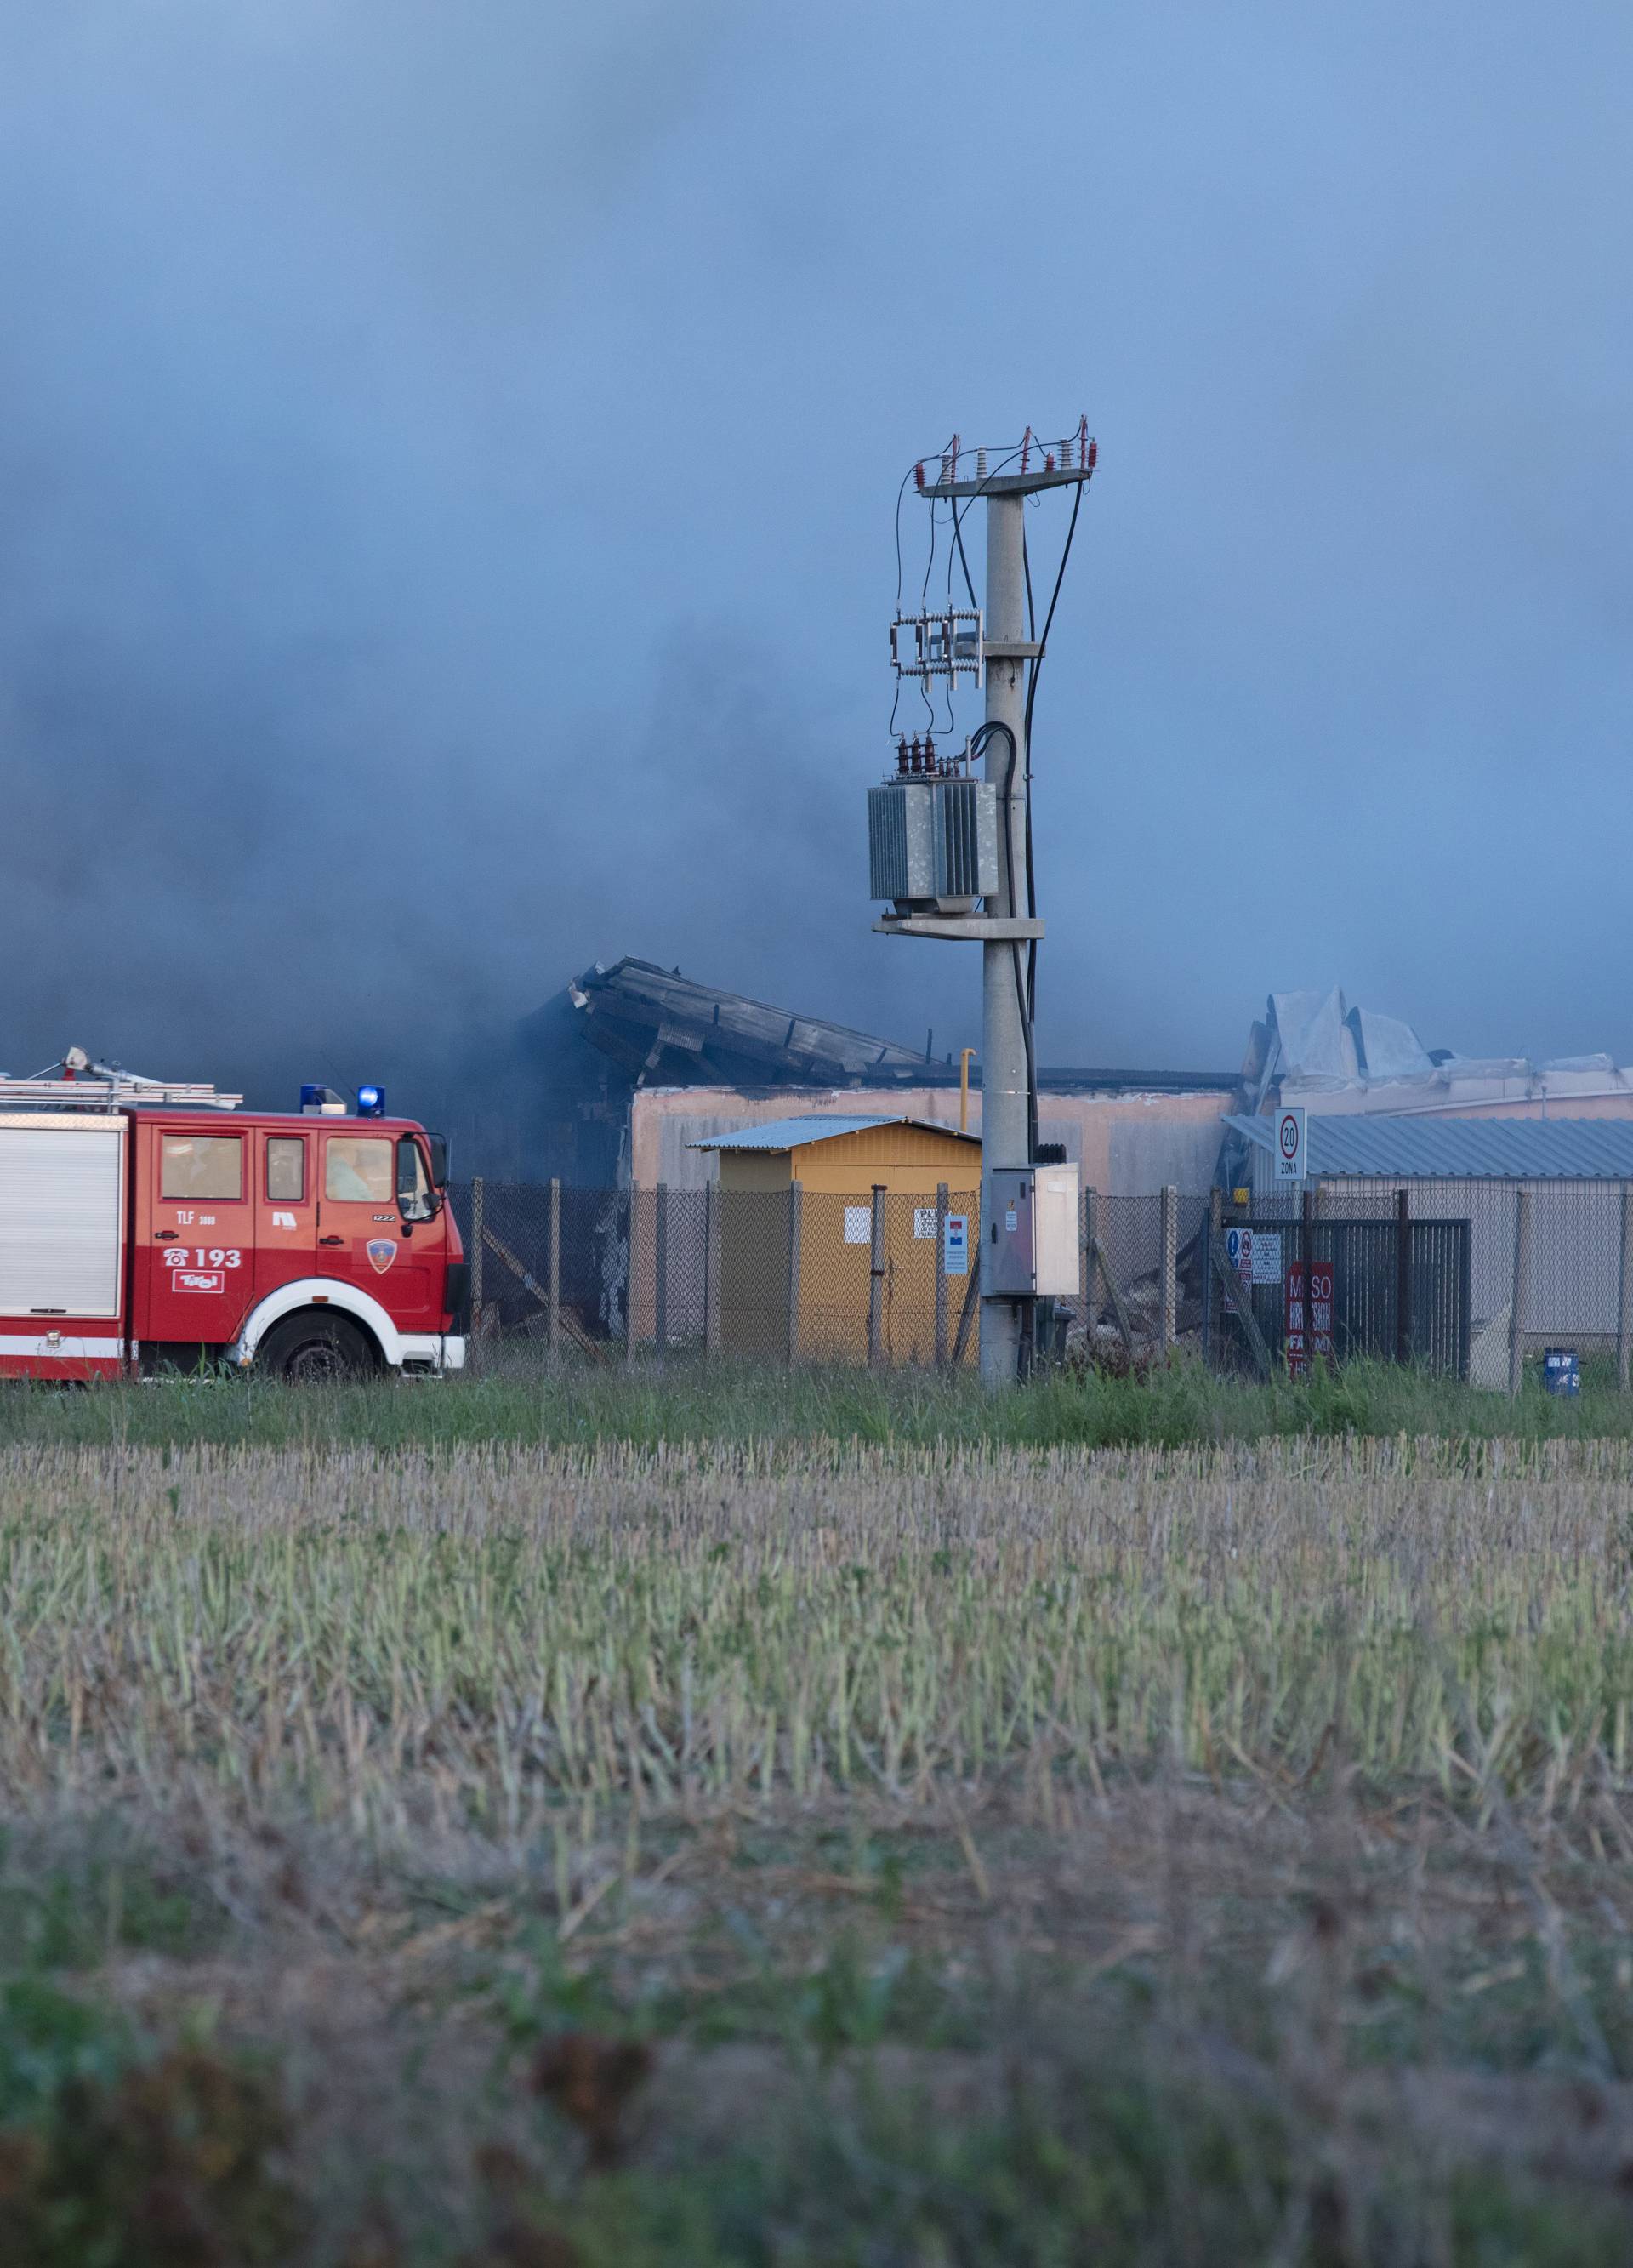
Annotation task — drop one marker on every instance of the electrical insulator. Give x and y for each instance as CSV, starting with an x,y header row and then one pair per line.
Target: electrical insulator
x,y
1094,451
918,474
1083,441
1065,453
952,457
980,463
1025,448
915,765
1049,461
901,755
929,756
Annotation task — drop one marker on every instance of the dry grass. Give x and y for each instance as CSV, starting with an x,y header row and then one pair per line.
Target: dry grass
x,y
469,1638
949,1827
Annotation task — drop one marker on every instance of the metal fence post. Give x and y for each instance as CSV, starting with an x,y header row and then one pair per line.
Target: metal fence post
x,y
631,1272
1170,1224
476,1256
660,1281
712,1268
1517,1310
1403,1278
941,1275
1210,1230
876,1283
555,1308
1624,1306
796,1222
1085,1238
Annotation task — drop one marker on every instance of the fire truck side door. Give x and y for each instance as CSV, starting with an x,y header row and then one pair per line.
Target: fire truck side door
x,y
286,1207
362,1234
195,1236
359,1229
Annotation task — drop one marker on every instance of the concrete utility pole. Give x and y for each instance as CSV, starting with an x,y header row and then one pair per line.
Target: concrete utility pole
x,y
1006,1089
1005,930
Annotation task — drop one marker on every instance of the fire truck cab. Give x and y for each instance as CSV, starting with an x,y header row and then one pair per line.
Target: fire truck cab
x,y
145,1227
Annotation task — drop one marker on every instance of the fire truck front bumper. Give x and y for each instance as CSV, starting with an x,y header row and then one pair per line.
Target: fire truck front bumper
x,y
437,1351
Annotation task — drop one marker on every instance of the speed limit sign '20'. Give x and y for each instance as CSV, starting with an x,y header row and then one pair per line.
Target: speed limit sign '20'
x,y
1289,1144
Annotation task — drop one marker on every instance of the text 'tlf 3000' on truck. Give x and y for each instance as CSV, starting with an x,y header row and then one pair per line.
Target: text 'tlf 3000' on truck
x,y
145,1227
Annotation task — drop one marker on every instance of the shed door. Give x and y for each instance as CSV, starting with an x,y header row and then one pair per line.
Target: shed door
x,y
62,1211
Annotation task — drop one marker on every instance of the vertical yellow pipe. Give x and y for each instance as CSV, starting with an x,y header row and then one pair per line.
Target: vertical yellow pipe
x,y
964,1056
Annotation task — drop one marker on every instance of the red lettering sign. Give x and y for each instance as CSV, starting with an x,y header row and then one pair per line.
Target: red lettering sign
x,y
1293,1345
1309,1326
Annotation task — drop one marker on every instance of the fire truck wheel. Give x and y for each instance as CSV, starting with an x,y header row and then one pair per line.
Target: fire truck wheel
x,y
312,1350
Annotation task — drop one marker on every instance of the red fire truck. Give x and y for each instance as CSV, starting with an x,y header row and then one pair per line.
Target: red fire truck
x,y
146,1226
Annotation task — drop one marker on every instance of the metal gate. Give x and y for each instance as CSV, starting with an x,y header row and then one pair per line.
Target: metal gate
x,y
1368,1284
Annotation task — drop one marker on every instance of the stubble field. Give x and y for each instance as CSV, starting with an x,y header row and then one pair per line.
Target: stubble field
x,y
809,1852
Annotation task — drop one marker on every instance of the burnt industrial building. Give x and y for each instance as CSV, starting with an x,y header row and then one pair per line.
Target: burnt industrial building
x,y
613,1080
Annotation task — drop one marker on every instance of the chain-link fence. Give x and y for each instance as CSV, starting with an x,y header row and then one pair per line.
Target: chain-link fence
x,y
809,1275
1549,1264
776,1276
1473,1280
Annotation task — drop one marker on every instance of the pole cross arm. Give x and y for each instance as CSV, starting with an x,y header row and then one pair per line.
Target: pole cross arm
x,y
981,929
1010,483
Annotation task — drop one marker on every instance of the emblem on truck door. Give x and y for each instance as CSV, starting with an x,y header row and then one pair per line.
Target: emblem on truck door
x,y
381,1252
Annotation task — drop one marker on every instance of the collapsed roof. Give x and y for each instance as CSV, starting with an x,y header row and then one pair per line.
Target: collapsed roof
x,y
1312,1046
664,1030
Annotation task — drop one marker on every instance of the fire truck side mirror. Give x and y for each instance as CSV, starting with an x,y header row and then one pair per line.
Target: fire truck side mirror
x,y
416,1199
439,1159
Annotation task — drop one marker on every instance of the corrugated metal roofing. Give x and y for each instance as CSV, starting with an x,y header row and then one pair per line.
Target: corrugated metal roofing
x,y
1386,1146
814,1126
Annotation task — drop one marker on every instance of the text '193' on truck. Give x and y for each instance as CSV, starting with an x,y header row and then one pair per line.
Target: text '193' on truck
x,y
146,1227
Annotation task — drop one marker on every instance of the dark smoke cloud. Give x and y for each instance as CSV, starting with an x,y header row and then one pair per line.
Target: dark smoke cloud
x,y
445,465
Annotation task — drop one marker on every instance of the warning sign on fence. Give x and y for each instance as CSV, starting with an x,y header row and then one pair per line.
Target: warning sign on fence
x,y
1309,1332
955,1244
1256,1254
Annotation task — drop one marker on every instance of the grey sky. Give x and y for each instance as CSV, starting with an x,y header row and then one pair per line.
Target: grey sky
x,y
449,455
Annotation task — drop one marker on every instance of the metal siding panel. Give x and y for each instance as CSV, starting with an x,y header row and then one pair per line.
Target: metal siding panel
x,y
1384,1146
61,1207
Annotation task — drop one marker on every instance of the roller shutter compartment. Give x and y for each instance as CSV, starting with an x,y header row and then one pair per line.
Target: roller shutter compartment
x,y
61,1218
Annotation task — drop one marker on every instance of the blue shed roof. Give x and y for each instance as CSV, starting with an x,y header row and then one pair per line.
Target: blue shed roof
x,y
1395,1147
816,1126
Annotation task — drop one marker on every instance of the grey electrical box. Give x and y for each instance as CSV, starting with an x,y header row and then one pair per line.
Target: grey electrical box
x,y
1031,1235
933,843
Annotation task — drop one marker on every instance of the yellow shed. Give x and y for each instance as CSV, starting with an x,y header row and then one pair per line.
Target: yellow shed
x,y
796,1252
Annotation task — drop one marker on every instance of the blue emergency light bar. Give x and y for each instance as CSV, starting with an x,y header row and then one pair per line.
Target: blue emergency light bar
x,y
323,1101
370,1102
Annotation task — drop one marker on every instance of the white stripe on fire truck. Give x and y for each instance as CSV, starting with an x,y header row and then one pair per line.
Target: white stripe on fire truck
x,y
64,1350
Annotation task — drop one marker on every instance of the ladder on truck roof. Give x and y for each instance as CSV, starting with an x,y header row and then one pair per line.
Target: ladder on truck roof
x,y
77,1083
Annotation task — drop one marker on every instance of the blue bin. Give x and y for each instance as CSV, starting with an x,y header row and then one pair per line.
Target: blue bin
x,y
1561,1372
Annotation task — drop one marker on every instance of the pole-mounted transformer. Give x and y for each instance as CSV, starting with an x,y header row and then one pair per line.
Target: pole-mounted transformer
x,y
948,852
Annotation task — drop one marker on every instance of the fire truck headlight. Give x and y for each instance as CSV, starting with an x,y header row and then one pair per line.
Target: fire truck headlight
x,y
370,1102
